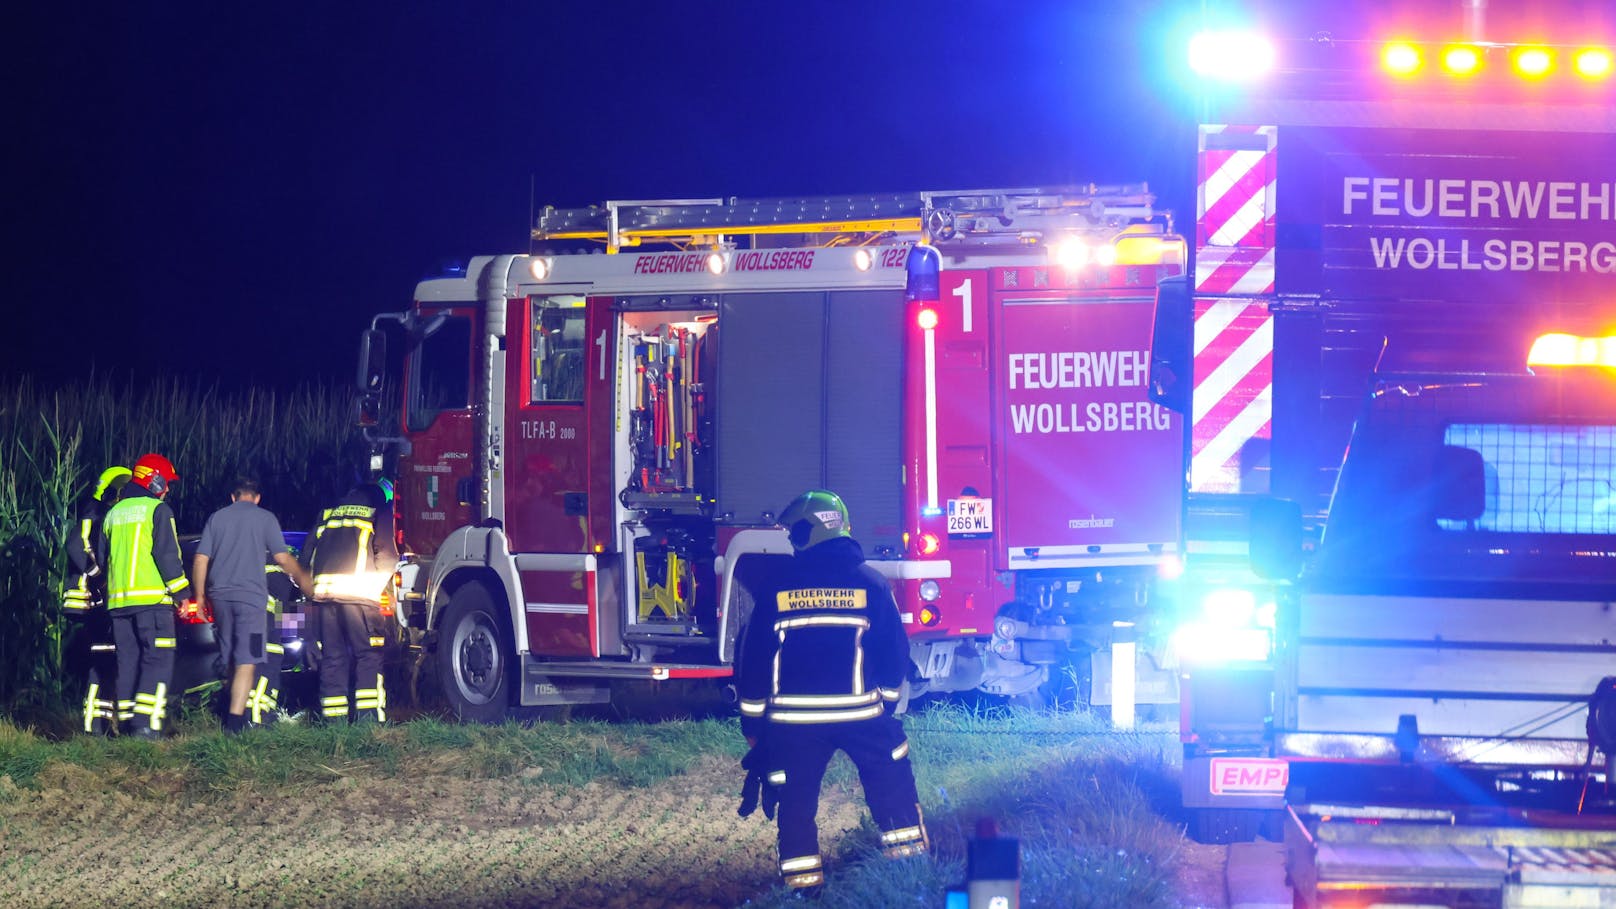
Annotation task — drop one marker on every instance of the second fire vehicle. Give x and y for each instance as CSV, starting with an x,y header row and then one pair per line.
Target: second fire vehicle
x,y
593,447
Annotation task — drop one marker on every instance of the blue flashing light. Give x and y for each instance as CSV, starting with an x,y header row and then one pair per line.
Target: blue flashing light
x,y
923,267
450,268
1227,625
930,512
1230,607
1231,56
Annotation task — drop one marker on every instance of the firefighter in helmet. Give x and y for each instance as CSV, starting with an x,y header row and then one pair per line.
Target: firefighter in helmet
x,y
145,578
264,699
822,665
93,654
352,555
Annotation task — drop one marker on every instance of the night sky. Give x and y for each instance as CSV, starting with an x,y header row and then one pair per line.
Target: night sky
x,y
231,190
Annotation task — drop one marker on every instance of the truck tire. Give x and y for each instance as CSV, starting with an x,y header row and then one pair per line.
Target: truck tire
x,y
475,659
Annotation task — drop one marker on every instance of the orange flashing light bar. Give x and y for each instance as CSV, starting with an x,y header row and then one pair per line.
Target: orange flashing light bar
x,y
1533,62
1401,58
1557,349
1405,58
1462,59
1593,63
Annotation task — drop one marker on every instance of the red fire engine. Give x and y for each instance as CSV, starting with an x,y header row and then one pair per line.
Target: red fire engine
x,y
1395,353
593,447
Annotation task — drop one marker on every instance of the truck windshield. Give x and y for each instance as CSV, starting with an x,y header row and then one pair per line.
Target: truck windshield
x,y
440,373
1476,485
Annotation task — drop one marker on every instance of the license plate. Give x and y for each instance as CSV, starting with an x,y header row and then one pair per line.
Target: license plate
x,y
1249,776
972,515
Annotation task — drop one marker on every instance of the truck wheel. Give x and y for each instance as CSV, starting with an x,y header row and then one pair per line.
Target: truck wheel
x,y
474,657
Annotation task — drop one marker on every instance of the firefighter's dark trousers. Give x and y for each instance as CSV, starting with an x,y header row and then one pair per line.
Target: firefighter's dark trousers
x,y
264,699
352,636
93,658
145,640
798,756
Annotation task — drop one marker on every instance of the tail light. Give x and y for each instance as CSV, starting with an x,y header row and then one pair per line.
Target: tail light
x,y
192,612
387,595
926,544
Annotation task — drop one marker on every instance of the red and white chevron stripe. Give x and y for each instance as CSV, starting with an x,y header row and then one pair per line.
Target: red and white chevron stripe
x,y
1234,338
1236,205
1234,388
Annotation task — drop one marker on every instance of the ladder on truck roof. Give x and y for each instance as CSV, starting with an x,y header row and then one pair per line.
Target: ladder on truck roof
x,y
982,217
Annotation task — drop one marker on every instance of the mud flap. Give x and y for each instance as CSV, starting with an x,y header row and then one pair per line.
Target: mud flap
x,y
539,690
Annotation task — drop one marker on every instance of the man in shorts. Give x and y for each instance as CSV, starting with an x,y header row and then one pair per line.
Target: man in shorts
x,y
239,540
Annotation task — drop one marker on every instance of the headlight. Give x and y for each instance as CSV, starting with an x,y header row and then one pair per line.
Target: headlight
x,y
1234,624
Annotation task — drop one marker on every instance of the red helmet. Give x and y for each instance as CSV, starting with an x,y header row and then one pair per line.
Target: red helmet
x,y
154,472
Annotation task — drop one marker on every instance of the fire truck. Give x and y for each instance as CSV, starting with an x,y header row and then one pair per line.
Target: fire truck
x,y
595,437
1395,356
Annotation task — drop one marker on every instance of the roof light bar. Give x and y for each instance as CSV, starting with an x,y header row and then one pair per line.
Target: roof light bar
x,y
1529,61
1558,349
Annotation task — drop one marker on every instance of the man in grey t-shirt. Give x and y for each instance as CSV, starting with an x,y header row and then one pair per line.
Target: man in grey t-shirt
x,y
238,542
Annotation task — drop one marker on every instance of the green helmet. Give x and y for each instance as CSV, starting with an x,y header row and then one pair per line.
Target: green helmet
x,y
814,517
111,481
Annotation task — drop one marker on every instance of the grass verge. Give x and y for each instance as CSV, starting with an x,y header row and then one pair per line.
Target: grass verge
x,y
1091,808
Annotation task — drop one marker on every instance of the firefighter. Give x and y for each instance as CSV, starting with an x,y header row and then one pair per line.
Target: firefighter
x,y
145,577
822,666
264,699
352,556
86,599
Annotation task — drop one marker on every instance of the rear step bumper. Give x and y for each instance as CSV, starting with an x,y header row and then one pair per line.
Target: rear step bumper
x,y
582,669
588,681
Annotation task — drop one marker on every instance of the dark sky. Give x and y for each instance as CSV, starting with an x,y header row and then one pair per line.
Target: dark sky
x,y
232,189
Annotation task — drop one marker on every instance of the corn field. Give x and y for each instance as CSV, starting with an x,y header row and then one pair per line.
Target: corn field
x,y
54,443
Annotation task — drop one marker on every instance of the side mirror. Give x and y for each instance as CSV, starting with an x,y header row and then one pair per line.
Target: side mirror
x,y
420,331
1276,539
372,361
1172,358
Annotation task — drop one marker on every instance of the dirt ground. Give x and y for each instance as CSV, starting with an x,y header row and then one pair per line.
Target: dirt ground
x,y
441,842
1201,877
